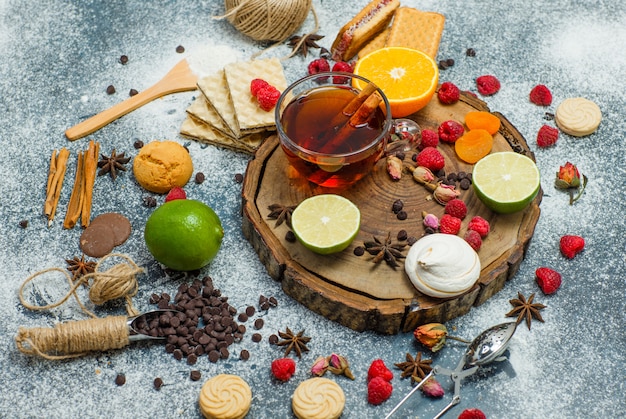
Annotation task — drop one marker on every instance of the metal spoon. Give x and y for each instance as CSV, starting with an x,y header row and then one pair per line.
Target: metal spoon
x,y
485,348
135,332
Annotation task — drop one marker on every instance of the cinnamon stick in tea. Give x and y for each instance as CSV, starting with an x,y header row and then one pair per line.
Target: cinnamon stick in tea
x,y
359,117
353,105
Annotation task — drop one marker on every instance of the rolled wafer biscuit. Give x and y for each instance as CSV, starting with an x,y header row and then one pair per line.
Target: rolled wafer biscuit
x,y
318,398
225,396
415,29
578,116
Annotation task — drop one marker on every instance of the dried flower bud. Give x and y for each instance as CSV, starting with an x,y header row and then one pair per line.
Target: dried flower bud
x,y
567,177
431,335
339,365
394,167
320,366
431,220
432,388
444,193
423,175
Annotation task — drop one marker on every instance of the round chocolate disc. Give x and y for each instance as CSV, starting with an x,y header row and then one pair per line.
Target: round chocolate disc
x,y
119,225
97,240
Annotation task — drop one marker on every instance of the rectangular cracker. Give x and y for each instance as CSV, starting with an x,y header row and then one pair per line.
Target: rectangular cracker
x,y
378,42
215,90
249,116
202,110
412,28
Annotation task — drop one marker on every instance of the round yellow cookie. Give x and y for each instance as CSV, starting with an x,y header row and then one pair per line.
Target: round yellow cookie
x,y
161,165
578,116
225,396
318,398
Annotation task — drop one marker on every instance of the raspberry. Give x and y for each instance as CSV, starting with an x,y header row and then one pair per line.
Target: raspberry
x,y
449,224
378,390
472,414
319,65
175,193
456,207
548,280
283,368
379,369
256,85
487,85
473,238
448,93
541,95
431,158
344,67
547,136
268,97
479,225
571,245
429,139
450,131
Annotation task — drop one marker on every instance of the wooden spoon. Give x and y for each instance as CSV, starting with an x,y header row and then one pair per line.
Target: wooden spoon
x,y
179,79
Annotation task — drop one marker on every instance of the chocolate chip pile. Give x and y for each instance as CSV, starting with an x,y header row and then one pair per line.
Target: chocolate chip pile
x,y
186,337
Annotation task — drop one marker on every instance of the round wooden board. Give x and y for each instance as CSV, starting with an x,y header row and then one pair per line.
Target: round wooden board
x,y
353,290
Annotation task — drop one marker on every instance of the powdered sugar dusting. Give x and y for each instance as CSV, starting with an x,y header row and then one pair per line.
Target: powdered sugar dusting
x,y
58,61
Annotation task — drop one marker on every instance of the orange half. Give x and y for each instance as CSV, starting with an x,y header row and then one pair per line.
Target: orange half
x,y
408,77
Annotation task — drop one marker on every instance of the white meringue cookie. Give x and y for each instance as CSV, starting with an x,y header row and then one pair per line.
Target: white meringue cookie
x,y
442,265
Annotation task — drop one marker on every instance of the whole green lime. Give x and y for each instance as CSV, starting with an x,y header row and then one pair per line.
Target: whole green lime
x,y
184,234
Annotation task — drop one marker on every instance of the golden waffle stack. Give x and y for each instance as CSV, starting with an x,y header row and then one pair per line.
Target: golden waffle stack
x,y
226,114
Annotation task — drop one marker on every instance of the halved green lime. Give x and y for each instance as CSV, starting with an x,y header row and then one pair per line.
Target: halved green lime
x,y
326,223
506,182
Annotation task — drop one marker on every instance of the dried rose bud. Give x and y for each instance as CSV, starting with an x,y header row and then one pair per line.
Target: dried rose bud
x,y
339,365
431,335
320,366
432,388
430,220
423,175
567,177
394,167
444,193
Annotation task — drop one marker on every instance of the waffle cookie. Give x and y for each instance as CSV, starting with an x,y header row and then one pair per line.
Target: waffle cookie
x,y
202,110
215,90
225,396
318,398
249,117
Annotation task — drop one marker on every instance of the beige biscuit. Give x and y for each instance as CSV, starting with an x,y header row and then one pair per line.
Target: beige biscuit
x,y
377,43
318,398
203,132
249,116
202,109
578,116
161,165
215,90
412,28
225,396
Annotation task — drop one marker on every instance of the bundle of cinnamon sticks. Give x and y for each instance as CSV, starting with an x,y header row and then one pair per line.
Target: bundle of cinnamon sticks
x,y
81,198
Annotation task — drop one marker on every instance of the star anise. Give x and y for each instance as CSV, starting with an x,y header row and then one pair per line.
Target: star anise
x,y
112,164
292,341
416,368
281,213
385,250
304,42
80,267
525,309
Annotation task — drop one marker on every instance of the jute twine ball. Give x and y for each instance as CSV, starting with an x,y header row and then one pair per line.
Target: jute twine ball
x,y
267,20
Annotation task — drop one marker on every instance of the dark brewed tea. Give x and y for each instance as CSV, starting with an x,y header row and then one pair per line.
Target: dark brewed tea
x,y
328,150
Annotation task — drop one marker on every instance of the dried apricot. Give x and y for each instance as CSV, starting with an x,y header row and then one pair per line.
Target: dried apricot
x,y
482,120
473,145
